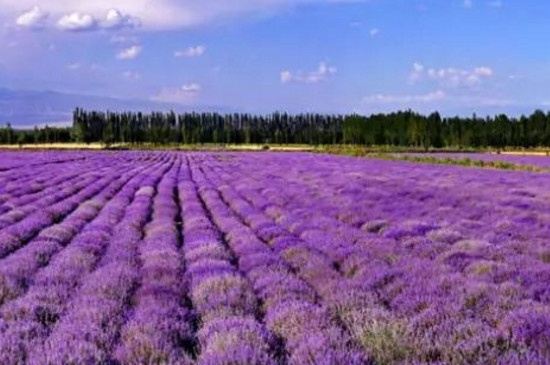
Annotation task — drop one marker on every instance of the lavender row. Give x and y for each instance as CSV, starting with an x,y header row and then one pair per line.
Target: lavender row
x,y
86,333
31,189
33,180
16,160
27,321
24,202
291,307
229,330
47,198
160,327
315,265
475,275
17,235
31,183
316,249
357,306
16,270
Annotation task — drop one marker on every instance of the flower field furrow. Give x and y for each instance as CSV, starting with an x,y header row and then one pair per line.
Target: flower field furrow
x,y
16,160
315,231
88,330
14,210
356,305
12,216
17,270
17,235
168,258
159,329
31,189
291,305
27,321
33,181
230,332
440,246
21,224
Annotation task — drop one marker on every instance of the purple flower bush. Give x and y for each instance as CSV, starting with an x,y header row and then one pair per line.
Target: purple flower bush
x,y
270,258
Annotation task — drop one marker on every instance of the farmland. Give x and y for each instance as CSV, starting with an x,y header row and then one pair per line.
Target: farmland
x,y
166,257
539,160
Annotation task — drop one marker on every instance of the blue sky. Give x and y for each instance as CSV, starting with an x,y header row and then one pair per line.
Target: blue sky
x,y
456,56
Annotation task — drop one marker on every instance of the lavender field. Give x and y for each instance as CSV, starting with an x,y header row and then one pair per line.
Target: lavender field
x,y
270,258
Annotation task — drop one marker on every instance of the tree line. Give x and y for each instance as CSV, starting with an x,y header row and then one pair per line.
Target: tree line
x,y
404,128
43,135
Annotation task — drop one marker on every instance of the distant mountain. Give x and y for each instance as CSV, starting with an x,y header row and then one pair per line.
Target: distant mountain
x,y
26,109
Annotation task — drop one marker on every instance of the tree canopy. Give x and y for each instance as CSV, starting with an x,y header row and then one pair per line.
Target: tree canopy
x,y
404,128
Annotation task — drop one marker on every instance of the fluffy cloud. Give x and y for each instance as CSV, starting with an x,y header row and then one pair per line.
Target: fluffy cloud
x,y
185,94
159,14
129,53
467,4
84,67
116,20
321,74
450,77
119,39
113,20
374,32
417,72
77,22
191,52
34,18
134,76
74,66
434,100
438,95
191,88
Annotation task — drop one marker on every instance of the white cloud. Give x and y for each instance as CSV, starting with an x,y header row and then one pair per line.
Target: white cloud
x,y
74,66
186,94
191,88
418,67
113,20
129,53
134,76
321,74
34,18
84,67
374,32
458,77
451,76
495,4
77,22
438,99
118,39
116,20
286,76
191,52
160,14
467,4
417,72
437,95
